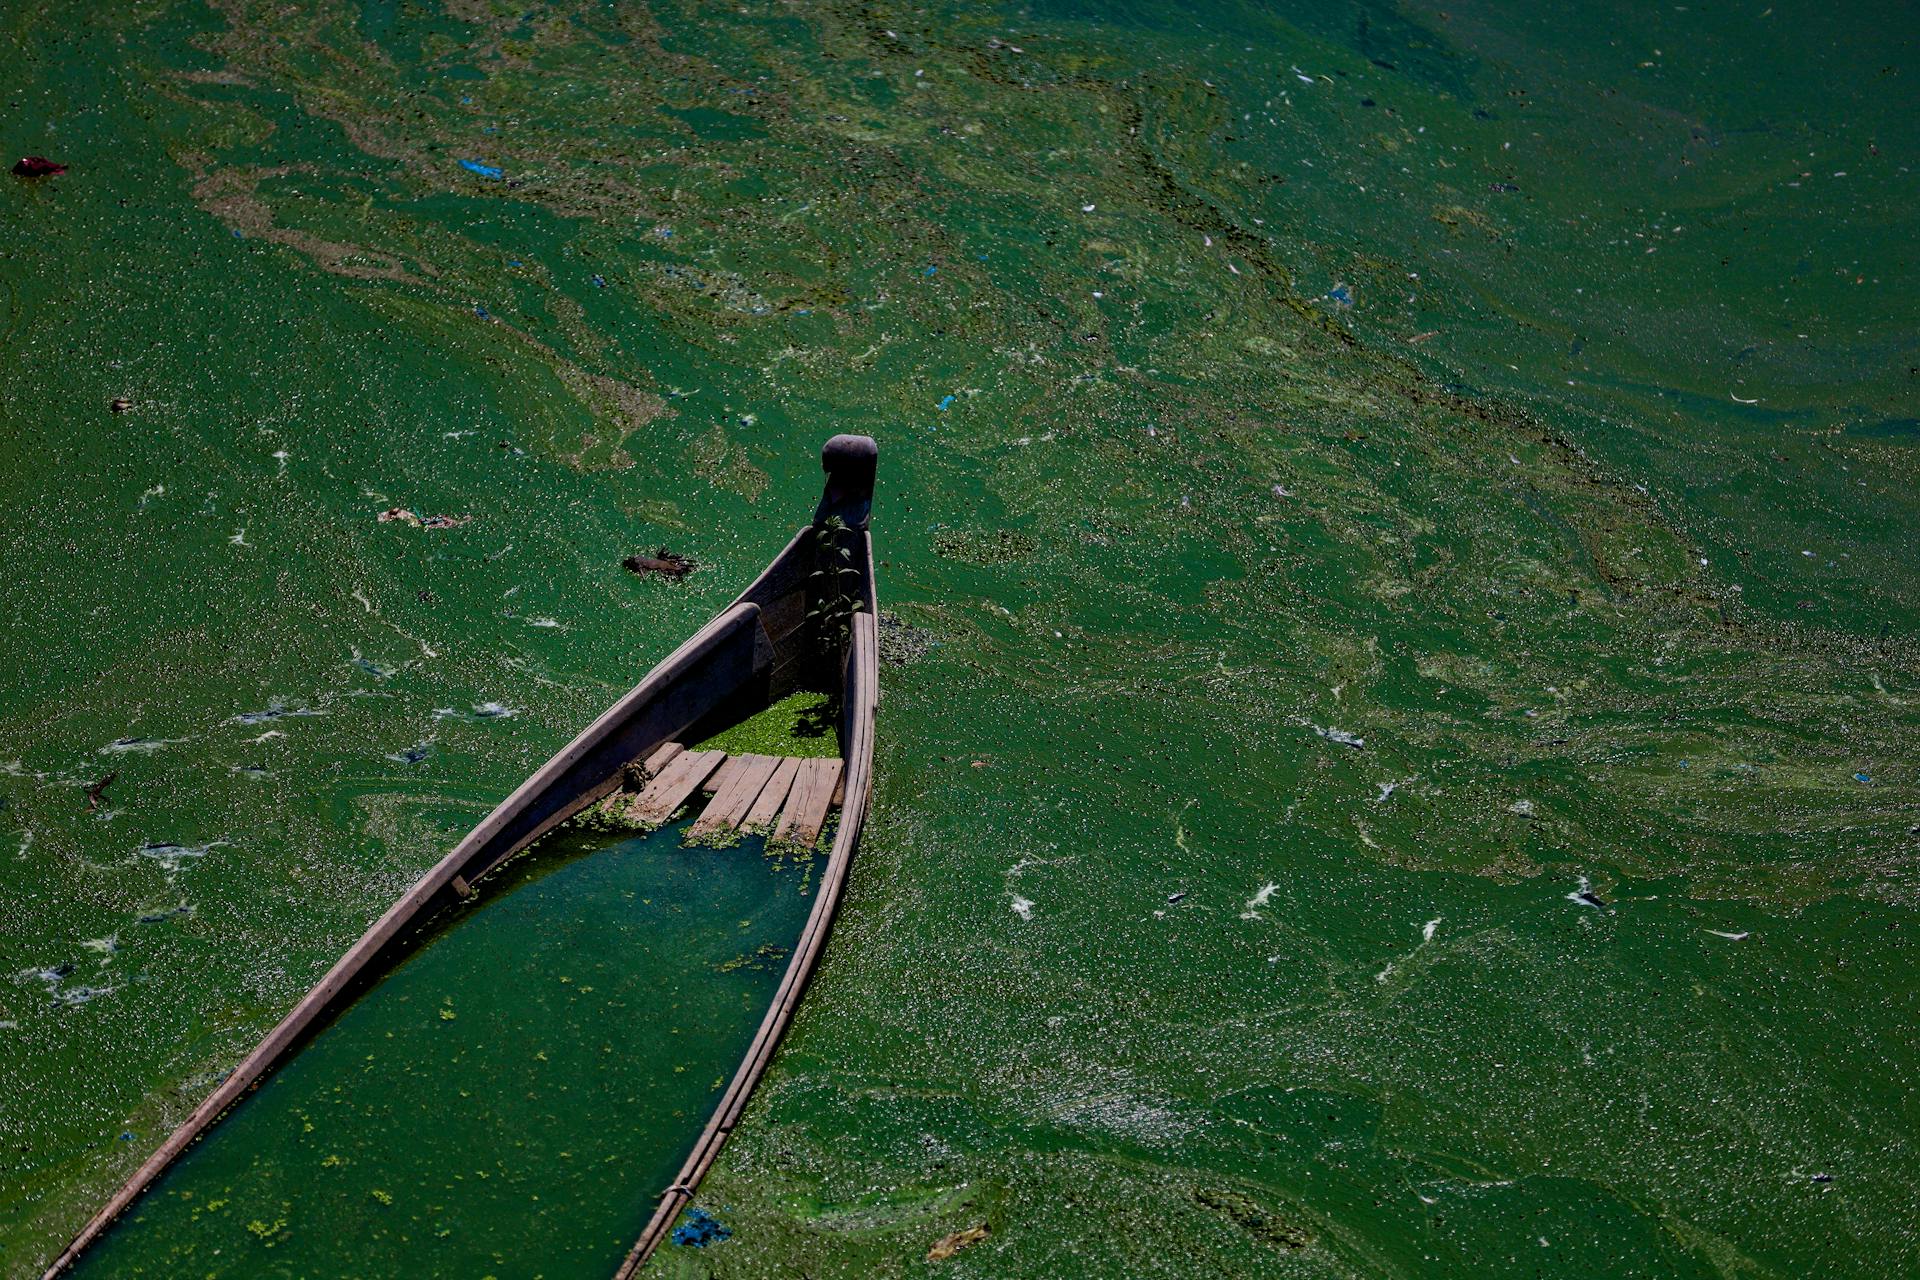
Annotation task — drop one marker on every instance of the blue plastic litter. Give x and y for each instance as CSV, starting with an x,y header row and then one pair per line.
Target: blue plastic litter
x,y
599,282
1861,777
1341,294
484,170
482,312
699,1230
930,271
942,406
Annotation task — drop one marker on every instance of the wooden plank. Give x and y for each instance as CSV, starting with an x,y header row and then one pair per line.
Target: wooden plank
x,y
808,802
760,817
721,776
683,774
730,803
661,757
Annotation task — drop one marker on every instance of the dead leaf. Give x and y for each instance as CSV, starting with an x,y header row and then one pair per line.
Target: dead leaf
x,y
946,1246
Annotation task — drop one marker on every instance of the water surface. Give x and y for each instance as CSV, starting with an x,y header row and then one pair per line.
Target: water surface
x,y
1403,755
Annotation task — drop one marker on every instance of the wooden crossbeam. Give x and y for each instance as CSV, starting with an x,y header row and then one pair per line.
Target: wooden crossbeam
x,y
808,802
670,789
746,777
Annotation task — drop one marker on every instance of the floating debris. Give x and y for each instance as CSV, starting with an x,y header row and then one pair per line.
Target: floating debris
x,y
700,1229
493,711
172,856
902,642
405,516
372,668
948,1245
275,711
1586,897
662,562
120,404
143,746
1023,907
1340,736
97,792
54,977
1260,899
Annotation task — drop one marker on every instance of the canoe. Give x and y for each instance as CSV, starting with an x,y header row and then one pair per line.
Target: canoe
x,y
808,622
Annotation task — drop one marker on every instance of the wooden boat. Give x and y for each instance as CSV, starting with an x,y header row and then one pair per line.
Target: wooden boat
x,y
807,622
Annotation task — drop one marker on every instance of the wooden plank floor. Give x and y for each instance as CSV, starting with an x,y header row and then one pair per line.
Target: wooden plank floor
x,y
786,797
745,780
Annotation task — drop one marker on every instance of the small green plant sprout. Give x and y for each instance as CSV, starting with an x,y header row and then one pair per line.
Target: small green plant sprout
x,y
832,587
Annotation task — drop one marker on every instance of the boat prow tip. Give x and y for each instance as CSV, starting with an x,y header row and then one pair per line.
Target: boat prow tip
x,y
850,462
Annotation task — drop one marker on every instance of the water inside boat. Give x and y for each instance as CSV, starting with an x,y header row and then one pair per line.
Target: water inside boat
x,y
513,1097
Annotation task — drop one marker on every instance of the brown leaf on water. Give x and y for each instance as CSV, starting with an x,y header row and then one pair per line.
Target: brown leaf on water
x,y
946,1246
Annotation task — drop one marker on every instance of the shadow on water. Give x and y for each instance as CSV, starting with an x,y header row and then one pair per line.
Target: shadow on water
x,y
511,1098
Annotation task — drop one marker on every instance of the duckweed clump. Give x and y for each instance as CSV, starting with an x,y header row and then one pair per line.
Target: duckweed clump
x,y
800,724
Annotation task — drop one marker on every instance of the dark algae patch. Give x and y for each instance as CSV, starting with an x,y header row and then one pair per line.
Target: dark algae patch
x,y
1524,392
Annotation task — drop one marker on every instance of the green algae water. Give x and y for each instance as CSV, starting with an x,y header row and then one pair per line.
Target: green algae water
x,y
510,1100
1401,754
